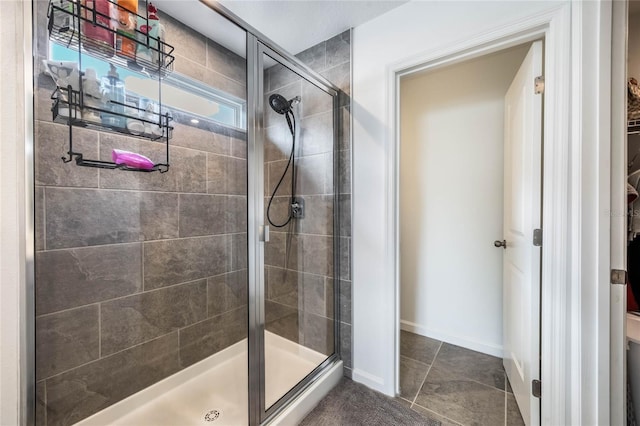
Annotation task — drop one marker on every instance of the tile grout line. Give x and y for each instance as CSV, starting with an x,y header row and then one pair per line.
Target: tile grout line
x,y
139,293
438,414
207,69
484,384
206,295
179,197
468,379
45,402
151,241
425,376
99,330
142,267
44,219
140,190
206,173
42,316
505,407
112,354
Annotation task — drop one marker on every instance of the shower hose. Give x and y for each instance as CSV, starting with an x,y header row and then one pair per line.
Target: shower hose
x,y
291,122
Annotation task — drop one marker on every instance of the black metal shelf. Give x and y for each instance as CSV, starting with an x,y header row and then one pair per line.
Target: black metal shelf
x,y
71,36
67,98
65,27
80,161
71,100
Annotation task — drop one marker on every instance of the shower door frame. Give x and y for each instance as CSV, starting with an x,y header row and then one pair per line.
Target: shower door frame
x,y
258,45
256,50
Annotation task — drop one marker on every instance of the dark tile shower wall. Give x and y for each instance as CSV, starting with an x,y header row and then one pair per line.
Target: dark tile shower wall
x,y
299,259
138,275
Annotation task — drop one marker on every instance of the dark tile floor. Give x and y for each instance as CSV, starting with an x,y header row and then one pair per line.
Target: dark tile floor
x,y
440,385
457,385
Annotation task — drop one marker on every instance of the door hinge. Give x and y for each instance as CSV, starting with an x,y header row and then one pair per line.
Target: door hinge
x,y
536,388
537,237
618,276
538,85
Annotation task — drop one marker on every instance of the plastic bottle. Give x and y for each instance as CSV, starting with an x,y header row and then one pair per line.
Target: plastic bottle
x,y
148,47
99,37
93,99
114,91
134,124
126,26
64,15
159,57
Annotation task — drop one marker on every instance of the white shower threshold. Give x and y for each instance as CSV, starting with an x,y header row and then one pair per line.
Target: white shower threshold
x,y
219,384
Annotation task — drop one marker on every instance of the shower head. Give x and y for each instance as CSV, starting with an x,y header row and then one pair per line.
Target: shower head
x,y
280,105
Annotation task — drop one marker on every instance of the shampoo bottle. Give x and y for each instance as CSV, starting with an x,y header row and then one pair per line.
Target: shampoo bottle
x,y
92,93
126,26
113,89
65,12
98,26
149,35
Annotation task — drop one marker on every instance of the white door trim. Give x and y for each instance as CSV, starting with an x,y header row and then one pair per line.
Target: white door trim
x,y
554,26
618,406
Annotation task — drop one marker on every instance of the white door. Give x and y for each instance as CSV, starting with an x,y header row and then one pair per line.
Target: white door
x,y
522,215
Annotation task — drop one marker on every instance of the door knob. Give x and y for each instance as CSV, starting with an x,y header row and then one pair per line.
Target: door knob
x,y
499,243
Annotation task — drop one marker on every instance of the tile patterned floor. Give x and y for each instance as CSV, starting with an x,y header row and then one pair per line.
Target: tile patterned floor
x,y
458,386
440,385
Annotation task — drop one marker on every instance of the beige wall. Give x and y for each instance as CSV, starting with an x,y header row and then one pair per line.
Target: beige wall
x,y
634,46
451,192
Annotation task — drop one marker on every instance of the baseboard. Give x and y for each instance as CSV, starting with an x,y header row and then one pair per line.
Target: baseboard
x,y
369,380
453,339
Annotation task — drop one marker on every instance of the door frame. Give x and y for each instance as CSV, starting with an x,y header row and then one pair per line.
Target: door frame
x,y
553,27
619,158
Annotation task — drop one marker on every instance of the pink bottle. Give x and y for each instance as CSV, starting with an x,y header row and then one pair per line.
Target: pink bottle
x,y
100,37
131,159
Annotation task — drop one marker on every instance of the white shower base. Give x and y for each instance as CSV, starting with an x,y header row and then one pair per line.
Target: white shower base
x,y
220,383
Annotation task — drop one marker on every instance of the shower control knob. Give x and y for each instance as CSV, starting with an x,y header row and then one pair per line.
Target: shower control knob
x,y
499,243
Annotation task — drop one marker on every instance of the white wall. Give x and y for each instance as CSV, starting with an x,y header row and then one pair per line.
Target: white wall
x,y
578,284
451,200
407,31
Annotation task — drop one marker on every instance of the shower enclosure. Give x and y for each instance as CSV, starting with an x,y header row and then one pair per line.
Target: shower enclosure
x,y
207,293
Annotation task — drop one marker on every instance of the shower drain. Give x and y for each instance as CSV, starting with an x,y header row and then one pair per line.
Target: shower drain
x,y
212,416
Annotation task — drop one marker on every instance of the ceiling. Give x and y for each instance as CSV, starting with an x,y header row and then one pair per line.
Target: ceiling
x,y
295,25
299,24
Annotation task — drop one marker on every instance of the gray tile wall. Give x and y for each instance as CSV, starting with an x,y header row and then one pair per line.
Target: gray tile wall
x,y
138,275
299,257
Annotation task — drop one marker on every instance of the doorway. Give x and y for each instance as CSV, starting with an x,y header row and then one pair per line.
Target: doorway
x,y
451,207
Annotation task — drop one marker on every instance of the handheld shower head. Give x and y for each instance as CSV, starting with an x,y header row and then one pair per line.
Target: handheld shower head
x,y
280,104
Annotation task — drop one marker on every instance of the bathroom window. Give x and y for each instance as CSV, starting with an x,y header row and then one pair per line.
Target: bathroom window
x,y
192,98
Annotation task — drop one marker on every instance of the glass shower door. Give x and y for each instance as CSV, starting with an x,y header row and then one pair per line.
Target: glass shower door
x,y
142,278
295,138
